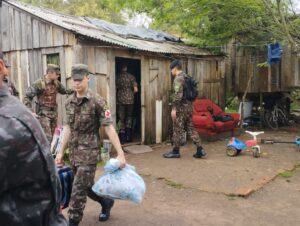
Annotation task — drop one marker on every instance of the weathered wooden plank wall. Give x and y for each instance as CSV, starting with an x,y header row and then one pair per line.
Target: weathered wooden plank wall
x,y
21,31
210,74
284,74
156,79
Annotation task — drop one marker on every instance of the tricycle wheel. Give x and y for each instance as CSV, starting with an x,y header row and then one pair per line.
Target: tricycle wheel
x,y
231,151
255,152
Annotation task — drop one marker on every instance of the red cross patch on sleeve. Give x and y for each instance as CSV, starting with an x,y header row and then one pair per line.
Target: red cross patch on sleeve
x,y
107,114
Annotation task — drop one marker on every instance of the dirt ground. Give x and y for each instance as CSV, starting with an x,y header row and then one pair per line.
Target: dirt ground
x,y
208,191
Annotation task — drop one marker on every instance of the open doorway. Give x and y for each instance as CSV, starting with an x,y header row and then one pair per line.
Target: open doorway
x,y
134,68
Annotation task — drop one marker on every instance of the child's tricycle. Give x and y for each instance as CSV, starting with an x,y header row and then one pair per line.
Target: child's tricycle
x,y
235,146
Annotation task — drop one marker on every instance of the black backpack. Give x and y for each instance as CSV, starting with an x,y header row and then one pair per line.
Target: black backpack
x,y
190,88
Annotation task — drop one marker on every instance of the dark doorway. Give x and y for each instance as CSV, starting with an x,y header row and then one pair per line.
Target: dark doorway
x,y
134,68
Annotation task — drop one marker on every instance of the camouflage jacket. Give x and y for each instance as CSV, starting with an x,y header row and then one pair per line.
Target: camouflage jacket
x,y
125,88
45,92
30,189
11,87
84,116
178,102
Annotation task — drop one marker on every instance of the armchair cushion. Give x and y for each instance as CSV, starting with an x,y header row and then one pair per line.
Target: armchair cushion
x,y
209,119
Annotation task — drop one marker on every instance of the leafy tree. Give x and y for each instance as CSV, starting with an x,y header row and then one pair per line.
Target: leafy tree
x,y
203,22
102,9
215,22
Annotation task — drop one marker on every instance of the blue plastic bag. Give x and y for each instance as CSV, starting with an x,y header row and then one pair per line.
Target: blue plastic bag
x,y
118,183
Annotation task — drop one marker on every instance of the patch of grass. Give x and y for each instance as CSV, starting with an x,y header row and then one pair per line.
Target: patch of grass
x,y
286,174
289,173
174,184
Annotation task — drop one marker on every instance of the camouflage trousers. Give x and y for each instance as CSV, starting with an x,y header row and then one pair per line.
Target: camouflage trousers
x,y
82,187
125,115
183,122
48,121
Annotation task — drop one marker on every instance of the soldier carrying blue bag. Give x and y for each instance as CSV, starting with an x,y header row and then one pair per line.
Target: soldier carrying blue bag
x,y
86,111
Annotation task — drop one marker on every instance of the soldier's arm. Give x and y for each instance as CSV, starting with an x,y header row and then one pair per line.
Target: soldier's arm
x,y
134,84
66,137
106,120
62,90
178,93
114,138
30,93
64,144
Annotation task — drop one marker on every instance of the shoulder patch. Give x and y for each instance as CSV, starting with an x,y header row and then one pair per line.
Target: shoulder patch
x,y
107,113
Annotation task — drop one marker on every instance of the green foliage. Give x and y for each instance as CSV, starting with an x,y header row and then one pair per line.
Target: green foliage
x,y
216,22
289,173
295,95
232,103
205,23
102,9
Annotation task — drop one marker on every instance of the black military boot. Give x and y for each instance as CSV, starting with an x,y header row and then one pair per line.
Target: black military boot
x,y
106,204
200,152
172,154
128,135
122,136
73,222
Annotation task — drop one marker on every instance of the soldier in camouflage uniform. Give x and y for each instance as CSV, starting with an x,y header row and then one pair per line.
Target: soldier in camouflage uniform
x,y
85,113
11,87
126,87
181,114
46,89
30,189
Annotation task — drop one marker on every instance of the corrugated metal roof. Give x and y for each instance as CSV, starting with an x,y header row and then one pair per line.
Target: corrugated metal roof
x,y
82,27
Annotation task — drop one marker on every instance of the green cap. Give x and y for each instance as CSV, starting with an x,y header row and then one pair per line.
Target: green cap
x,y
52,67
79,71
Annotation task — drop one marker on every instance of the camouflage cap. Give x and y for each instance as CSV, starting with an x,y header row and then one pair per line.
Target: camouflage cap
x,y
2,58
52,67
79,71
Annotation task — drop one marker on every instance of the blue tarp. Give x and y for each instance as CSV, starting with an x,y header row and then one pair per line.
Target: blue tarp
x,y
132,32
274,53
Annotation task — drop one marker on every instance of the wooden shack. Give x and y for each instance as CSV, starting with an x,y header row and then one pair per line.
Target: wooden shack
x,y
267,82
31,37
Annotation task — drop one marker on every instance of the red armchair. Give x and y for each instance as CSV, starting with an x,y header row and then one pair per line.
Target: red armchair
x,y
209,119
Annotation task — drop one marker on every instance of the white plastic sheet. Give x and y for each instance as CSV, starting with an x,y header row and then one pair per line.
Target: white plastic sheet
x,y
118,183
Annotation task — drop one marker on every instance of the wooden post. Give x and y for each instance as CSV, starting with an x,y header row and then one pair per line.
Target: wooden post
x,y
269,78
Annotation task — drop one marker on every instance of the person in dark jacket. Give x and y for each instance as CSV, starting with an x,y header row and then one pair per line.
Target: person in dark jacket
x,y
11,86
30,191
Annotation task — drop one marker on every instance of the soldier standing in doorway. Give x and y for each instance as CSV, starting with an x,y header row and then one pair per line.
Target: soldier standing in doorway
x,y
46,89
181,114
85,113
126,87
